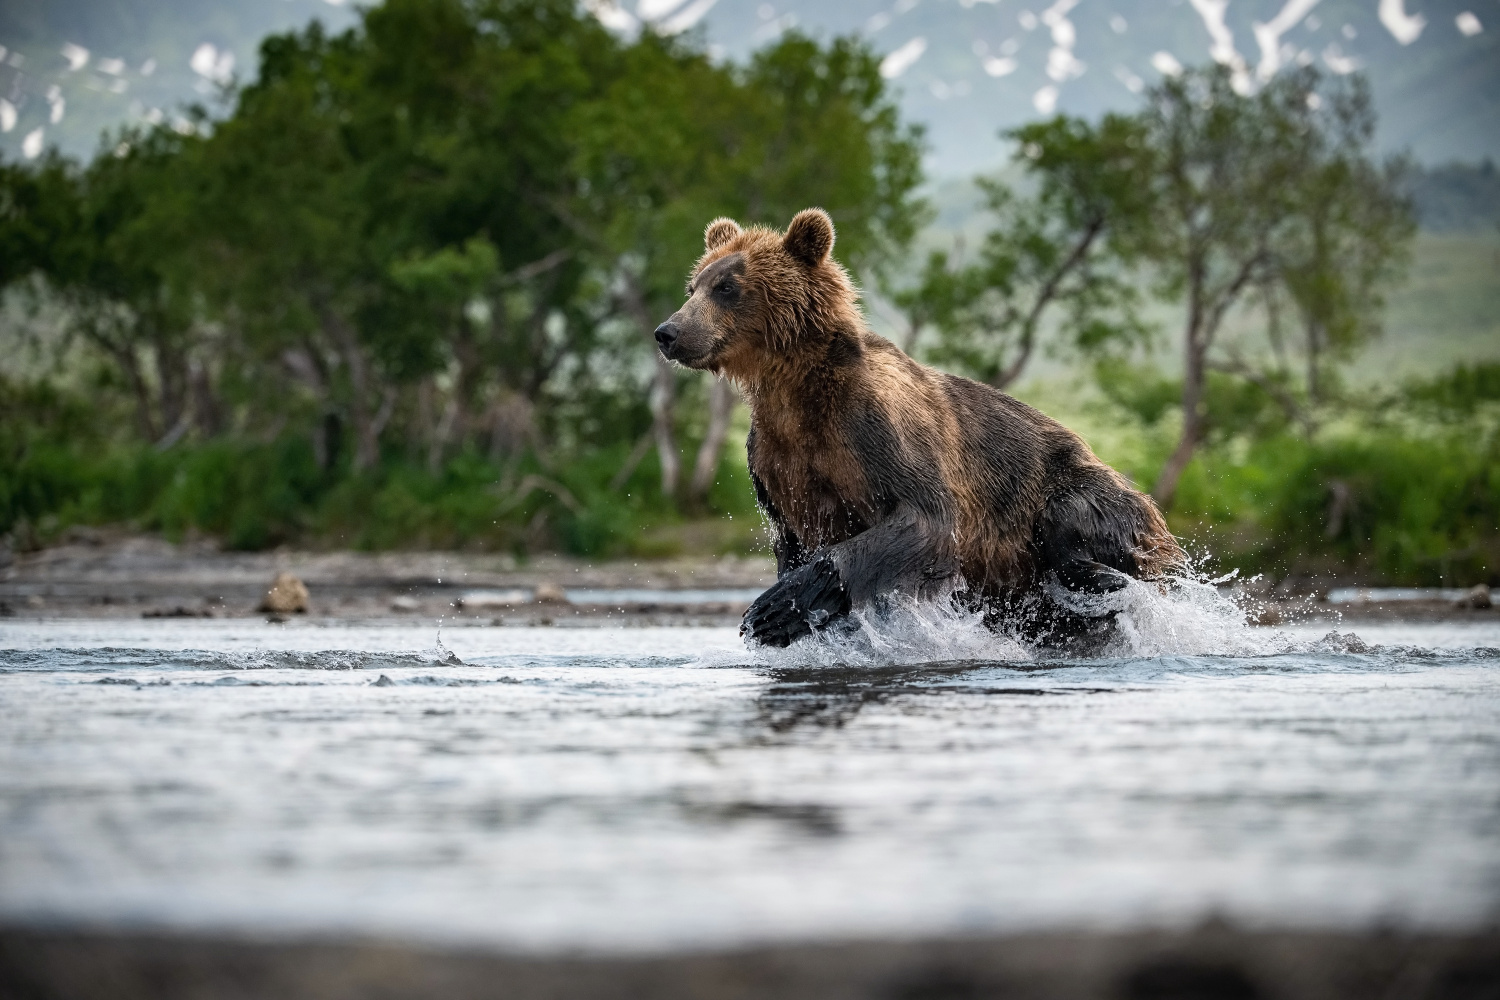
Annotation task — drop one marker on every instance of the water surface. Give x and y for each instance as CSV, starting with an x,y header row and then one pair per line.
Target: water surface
x,y
653,788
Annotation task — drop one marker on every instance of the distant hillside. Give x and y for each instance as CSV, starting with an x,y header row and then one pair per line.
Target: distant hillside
x,y
70,69
965,68
1458,198
968,67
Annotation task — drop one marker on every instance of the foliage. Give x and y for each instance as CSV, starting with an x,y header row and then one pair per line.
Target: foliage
x,y
1274,193
1404,489
442,236
1234,409
1419,509
54,474
1459,396
1060,251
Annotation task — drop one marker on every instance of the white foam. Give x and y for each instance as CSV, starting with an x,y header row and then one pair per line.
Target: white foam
x,y
908,633
1179,616
1184,615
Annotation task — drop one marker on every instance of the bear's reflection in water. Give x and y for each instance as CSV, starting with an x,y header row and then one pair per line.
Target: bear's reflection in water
x,y
832,696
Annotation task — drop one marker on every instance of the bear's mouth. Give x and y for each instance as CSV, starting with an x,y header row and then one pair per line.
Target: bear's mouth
x,y
699,362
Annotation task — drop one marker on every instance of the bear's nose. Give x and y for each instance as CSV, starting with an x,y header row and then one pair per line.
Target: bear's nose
x,y
666,336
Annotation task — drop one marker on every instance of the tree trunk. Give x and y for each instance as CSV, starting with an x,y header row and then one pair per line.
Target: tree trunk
x,y
207,413
366,437
663,396
1166,483
327,438
366,424
1045,296
470,378
1194,357
721,402
663,391
1003,379
172,380
144,420
1314,359
916,319
125,356
441,434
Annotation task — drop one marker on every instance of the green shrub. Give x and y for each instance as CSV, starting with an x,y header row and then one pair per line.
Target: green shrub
x,y
1384,505
57,471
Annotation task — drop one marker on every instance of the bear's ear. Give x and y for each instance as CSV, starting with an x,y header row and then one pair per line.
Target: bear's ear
x,y
809,238
719,232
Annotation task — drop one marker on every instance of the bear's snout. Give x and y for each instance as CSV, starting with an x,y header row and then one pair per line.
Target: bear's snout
x,y
666,338
683,339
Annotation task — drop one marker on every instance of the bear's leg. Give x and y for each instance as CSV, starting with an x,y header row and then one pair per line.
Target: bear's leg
x,y
905,553
1085,541
1086,538
804,599
1089,575
1038,619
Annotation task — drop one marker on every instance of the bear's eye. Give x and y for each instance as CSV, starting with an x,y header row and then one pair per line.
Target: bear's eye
x,y
725,289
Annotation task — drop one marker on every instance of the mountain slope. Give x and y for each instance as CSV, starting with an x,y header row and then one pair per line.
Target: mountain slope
x,y
966,68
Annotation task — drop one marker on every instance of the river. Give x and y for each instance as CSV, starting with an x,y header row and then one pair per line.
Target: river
x,y
647,789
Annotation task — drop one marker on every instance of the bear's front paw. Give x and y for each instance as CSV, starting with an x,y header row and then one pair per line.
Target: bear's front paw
x,y
805,599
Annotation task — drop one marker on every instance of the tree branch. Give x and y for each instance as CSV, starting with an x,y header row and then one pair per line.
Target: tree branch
x,y
1226,298
1045,296
528,271
1294,410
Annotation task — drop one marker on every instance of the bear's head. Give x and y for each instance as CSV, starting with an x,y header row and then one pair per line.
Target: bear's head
x,y
757,294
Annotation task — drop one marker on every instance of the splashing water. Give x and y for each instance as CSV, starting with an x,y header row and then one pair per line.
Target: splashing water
x,y
1179,616
908,632
443,653
1186,615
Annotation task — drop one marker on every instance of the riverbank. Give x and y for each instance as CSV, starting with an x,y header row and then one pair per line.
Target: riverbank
x,y
101,575
1214,961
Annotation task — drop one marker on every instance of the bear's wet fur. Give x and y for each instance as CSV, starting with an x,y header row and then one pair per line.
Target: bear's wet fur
x,y
881,476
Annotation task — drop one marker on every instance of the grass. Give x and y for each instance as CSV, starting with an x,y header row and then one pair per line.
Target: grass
x,y
255,496
1447,311
1405,489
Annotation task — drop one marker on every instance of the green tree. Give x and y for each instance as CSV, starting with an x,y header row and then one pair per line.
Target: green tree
x,y
678,140
1348,244
352,159
1063,252
40,215
448,231
107,242
1262,193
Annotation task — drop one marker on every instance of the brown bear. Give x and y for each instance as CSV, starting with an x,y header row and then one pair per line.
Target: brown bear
x,y
880,476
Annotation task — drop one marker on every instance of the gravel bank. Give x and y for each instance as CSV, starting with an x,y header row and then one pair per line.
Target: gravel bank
x,y
1210,963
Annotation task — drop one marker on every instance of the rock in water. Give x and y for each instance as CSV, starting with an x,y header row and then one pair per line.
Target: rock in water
x,y
549,593
287,595
1478,597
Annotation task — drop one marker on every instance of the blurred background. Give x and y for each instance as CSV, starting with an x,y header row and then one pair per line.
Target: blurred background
x,y
293,273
